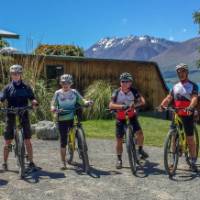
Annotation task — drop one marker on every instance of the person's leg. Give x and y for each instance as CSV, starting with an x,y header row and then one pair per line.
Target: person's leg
x,y
8,137
139,136
190,139
192,146
119,142
29,149
27,138
64,127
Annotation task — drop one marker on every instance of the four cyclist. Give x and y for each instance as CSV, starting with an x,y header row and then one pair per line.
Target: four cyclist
x,y
125,100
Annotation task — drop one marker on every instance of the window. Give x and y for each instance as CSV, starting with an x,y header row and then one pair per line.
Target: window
x,y
53,73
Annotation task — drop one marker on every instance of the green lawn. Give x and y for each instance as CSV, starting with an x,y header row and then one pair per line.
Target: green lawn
x,y
154,129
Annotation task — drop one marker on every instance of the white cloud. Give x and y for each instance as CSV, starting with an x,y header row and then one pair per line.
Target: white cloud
x,y
124,21
184,30
171,38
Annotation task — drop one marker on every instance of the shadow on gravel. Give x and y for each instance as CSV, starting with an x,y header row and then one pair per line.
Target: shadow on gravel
x,y
3,182
35,176
149,168
184,175
94,173
97,173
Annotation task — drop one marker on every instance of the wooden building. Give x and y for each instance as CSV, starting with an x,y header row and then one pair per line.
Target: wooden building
x,y
147,76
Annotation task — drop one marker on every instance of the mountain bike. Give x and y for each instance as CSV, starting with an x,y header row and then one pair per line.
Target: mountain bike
x,y
77,141
175,144
18,146
131,144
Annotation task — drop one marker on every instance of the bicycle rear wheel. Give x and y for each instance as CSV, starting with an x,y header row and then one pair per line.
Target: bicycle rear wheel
x,y
82,149
20,152
196,138
131,150
171,153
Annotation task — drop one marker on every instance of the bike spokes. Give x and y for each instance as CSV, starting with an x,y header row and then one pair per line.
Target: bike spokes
x,y
171,153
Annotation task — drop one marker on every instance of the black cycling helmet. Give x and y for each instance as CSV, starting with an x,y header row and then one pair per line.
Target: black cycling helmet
x,y
125,76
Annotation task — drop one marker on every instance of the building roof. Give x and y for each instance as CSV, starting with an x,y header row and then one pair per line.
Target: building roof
x,y
7,34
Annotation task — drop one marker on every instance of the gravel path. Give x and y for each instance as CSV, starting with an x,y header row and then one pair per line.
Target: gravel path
x,y
104,182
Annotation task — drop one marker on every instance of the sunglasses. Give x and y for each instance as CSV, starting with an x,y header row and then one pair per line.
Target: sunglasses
x,y
125,81
15,74
66,83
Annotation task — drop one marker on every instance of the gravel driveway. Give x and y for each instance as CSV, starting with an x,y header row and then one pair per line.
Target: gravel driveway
x,y
104,182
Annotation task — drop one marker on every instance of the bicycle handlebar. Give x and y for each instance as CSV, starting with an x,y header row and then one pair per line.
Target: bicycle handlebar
x,y
16,110
68,111
173,109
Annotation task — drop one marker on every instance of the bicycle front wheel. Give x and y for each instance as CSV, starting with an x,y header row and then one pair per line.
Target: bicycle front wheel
x,y
82,149
171,153
20,152
196,138
131,150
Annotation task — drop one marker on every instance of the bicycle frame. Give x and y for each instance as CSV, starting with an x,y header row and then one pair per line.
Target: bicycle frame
x,y
182,136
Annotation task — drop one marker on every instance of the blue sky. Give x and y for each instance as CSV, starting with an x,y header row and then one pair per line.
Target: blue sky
x,y
84,22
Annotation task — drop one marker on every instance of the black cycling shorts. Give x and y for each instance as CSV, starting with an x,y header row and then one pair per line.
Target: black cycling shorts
x,y
120,125
188,124
10,124
64,127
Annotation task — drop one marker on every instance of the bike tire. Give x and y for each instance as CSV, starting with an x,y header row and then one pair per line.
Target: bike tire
x,y
20,149
169,152
82,149
131,150
187,156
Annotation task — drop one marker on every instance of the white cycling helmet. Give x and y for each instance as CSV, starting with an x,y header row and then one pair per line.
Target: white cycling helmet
x,y
182,66
16,69
66,78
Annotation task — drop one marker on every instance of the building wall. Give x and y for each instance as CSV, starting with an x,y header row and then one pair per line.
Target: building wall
x,y
146,74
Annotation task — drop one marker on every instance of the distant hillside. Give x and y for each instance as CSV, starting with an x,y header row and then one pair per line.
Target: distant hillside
x,y
132,48
166,53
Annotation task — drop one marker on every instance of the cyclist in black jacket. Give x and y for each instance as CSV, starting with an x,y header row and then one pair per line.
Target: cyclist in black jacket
x,y
17,94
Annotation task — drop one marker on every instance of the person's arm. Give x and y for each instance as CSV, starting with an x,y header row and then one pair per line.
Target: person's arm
x,y
194,100
140,101
31,97
4,95
81,101
116,106
166,101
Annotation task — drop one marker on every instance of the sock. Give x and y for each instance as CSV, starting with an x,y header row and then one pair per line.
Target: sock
x,y
140,148
119,157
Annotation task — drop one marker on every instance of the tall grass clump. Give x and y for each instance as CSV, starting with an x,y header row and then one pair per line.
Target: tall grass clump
x,y
100,92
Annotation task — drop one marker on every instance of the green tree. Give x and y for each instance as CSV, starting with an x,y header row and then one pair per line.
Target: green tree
x,y
3,43
196,17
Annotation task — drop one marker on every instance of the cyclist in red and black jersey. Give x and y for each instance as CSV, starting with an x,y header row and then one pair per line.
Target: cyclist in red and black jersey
x,y
127,98
185,95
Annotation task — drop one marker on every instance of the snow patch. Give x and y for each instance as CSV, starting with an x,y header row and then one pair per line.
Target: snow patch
x,y
142,38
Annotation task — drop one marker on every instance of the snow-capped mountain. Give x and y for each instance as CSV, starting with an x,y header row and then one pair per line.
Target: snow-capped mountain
x,y
145,48
131,47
